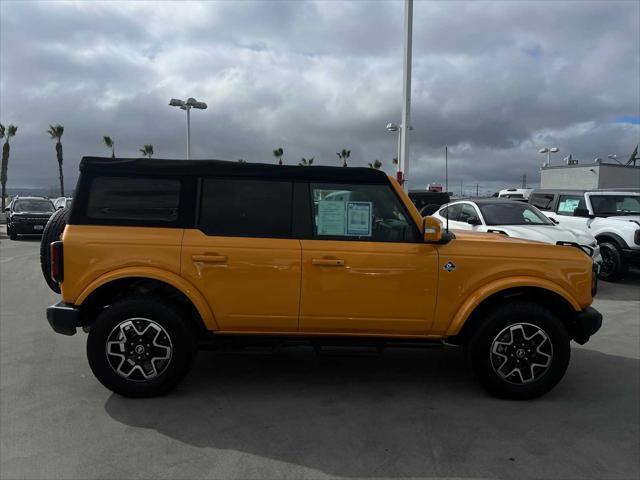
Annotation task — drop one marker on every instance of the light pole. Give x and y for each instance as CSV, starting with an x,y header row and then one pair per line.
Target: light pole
x,y
549,151
188,105
394,127
403,159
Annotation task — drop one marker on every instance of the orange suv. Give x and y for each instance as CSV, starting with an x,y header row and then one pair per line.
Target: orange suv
x,y
157,257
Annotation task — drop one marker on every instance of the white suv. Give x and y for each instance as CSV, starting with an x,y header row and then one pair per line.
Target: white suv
x,y
613,217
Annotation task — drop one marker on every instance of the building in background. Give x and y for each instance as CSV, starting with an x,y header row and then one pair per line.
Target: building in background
x,y
591,175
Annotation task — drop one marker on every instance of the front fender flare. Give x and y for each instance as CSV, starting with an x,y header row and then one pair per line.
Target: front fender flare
x,y
192,293
484,292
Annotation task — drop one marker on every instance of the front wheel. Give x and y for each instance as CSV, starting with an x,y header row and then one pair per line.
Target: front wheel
x,y
613,266
140,347
521,351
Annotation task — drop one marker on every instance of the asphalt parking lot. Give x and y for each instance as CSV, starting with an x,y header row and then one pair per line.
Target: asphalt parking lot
x,y
406,414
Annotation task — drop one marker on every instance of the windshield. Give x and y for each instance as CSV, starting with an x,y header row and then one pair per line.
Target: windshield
x,y
33,205
508,213
615,204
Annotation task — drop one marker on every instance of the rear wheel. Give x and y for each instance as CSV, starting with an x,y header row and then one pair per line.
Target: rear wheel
x,y
140,347
52,233
521,351
613,266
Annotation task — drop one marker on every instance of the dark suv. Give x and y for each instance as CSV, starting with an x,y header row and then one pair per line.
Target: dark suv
x,y
427,202
28,216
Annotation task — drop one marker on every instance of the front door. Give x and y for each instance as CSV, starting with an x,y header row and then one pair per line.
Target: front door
x,y
365,270
242,257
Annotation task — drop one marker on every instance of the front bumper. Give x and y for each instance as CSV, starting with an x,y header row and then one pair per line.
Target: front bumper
x,y
585,324
632,256
63,318
20,228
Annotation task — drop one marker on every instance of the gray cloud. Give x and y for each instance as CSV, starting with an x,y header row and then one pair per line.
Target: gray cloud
x,y
493,80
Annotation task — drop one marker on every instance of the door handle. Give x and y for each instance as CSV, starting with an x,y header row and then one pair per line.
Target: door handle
x,y
328,262
209,258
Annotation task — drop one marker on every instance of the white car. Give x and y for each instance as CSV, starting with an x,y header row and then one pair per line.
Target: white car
x,y
62,202
516,193
515,219
612,216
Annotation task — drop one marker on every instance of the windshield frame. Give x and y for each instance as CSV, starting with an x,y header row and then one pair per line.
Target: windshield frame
x,y
33,201
545,221
613,196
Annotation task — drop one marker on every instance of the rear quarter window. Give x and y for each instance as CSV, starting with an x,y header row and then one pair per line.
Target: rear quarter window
x,y
131,199
542,201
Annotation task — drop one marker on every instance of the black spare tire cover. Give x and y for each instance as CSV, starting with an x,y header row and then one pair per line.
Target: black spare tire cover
x,y
52,233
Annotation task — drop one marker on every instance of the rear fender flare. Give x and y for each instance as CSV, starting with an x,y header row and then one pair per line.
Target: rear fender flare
x,y
192,293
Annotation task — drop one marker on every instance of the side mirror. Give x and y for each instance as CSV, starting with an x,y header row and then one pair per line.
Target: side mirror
x,y
474,221
431,230
7,209
582,212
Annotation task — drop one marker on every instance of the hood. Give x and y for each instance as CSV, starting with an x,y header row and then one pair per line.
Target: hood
x,y
584,238
539,233
624,218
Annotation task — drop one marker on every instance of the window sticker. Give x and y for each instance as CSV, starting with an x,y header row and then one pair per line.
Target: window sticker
x,y
331,217
359,219
568,204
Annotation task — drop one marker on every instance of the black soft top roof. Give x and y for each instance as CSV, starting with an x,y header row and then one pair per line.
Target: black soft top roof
x,y
160,167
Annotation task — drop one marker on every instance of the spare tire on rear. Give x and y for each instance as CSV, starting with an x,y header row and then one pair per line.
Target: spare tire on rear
x,y
52,233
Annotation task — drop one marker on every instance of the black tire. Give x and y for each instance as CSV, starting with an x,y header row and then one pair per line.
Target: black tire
x,y
111,325
506,324
12,234
613,266
52,233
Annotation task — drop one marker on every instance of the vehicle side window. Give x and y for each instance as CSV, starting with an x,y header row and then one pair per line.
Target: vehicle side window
x,y
568,203
370,213
453,211
244,207
134,199
542,201
466,212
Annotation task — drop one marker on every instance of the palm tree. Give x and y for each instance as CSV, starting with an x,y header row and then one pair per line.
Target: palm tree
x,y
306,162
7,133
376,164
147,150
109,143
344,155
55,132
242,160
278,153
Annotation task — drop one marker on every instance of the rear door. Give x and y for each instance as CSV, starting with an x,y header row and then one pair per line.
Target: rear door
x,y
365,269
242,256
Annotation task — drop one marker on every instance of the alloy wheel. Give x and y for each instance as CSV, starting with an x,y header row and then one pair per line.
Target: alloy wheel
x,y
139,349
521,353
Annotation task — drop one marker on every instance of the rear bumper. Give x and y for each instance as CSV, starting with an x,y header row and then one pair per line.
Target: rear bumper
x,y
586,323
63,318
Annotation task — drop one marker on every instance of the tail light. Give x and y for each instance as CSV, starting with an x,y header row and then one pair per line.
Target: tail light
x,y
57,262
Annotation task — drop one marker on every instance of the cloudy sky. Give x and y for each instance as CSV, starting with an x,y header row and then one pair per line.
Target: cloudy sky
x,y
493,80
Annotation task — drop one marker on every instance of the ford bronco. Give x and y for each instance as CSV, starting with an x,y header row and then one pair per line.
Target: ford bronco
x,y
158,257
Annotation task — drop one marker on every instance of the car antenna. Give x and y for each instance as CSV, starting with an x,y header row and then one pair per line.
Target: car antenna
x,y
446,180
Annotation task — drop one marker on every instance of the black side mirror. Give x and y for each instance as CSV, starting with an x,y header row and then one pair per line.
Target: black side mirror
x,y
474,221
582,212
7,209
